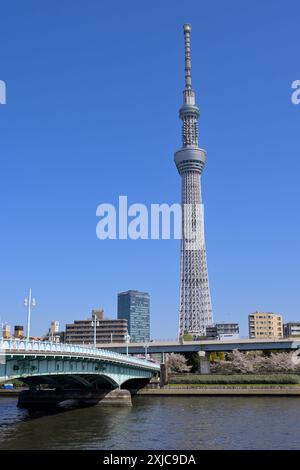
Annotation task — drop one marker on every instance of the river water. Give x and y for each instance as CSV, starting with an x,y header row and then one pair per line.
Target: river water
x,y
159,423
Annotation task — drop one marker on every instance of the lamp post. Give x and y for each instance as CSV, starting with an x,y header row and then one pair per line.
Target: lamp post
x,y
95,323
127,338
29,302
146,350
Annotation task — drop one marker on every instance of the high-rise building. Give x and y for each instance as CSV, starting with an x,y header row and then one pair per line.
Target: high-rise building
x,y
263,325
195,311
107,330
134,306
291,329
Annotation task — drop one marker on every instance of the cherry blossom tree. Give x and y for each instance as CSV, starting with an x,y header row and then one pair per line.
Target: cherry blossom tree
x,y
177,363
256,362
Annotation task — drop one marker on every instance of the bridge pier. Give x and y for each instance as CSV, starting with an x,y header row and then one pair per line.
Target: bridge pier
x,y
117,397
163,374
204,362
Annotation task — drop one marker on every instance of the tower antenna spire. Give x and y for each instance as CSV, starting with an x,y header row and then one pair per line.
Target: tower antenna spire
x,y
187,47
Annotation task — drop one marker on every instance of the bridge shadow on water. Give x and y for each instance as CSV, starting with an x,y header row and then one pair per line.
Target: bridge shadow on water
x,y
41,398
87,427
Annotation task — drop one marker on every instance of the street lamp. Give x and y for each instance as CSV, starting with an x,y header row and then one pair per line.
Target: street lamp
x,y
29,302
146,345
95,323
127,338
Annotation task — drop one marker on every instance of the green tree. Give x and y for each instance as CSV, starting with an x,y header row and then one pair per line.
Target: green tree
x,y
193,361
187,337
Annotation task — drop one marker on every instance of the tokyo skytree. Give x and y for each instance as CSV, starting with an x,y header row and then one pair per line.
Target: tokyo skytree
x,y
195,311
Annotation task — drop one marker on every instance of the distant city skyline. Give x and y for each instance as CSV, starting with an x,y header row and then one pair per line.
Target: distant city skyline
x,y
91,113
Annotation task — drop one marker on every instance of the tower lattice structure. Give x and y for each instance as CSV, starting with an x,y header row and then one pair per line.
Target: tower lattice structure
x,y
195,311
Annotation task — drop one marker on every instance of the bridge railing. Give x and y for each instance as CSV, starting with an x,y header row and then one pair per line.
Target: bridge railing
x,y
33,346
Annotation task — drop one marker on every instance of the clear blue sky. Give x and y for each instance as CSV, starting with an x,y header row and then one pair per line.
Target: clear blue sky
x,y
93,92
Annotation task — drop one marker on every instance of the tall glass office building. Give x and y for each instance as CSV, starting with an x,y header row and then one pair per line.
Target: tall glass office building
x,y
134,306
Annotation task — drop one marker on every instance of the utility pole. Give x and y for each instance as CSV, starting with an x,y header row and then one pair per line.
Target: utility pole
x,y
95,323
127,338
29,302
146,345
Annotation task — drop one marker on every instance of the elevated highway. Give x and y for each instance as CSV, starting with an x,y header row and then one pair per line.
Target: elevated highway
x,y
154,347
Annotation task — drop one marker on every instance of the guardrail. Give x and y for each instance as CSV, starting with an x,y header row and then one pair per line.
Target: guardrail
x,y
61,348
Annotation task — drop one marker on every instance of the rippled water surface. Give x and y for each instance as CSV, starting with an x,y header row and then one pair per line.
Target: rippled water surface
x,y
159,423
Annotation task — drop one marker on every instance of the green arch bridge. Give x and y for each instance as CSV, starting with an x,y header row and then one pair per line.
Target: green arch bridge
x,y
62,373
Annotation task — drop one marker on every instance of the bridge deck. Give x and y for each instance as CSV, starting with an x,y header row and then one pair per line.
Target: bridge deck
x,y
47,349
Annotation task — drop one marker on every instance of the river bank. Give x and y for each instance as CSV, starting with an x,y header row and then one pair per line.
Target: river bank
x,y
222,390
237,390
